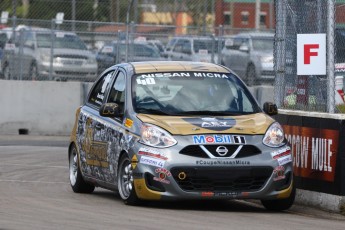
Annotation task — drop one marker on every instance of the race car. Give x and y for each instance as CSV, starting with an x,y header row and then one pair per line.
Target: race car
x,y
179,130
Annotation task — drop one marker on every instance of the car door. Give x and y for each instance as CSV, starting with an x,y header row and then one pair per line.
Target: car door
x,y
93,133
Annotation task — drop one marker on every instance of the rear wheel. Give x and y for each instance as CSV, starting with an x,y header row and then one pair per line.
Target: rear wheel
x,y
125,181
77,182
282,204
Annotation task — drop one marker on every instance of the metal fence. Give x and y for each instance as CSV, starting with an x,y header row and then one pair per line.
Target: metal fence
x,y
309,90
115,31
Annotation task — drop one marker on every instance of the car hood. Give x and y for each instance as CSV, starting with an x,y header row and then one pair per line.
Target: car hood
x,y
193,125
74,52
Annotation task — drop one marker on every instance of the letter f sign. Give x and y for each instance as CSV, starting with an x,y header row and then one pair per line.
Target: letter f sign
x,y
311,54
308,52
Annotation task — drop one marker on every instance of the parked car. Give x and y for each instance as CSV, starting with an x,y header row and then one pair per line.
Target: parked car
x,y
250,55
179,130
31,56
202,49
115,52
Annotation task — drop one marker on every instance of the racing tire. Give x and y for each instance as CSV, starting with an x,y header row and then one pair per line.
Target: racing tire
x,y
125,181
250,75
78,184
281,204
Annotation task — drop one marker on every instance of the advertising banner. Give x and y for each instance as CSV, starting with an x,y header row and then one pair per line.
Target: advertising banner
x,y
318,156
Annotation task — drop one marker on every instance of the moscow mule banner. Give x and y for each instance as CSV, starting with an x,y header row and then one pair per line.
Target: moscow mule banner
x,y
317,155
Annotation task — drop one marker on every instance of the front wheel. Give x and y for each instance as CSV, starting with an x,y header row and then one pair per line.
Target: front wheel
x,y
282,204
125,182
77,182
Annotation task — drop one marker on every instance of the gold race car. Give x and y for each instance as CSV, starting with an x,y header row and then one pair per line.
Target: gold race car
x,y
179,130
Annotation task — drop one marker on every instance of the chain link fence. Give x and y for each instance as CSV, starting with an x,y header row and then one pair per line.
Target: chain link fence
x,y
309,92
39,47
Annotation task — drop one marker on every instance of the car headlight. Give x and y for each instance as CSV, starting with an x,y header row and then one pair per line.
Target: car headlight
x,y
156,137
274,136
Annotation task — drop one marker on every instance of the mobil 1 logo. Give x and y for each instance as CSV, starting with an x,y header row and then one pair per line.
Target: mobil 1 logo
x,y
239,140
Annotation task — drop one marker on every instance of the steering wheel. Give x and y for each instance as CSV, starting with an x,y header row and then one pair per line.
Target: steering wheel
x,y
150,98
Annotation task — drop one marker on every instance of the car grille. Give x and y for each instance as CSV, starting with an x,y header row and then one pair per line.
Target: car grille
x,y
236,179
199,151
71,56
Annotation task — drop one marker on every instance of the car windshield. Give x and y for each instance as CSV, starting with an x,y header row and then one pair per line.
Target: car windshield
x,y
61,40
204,44
191,93
263,44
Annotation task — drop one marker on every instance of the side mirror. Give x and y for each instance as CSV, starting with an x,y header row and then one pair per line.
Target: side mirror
x,y
109,110
270,108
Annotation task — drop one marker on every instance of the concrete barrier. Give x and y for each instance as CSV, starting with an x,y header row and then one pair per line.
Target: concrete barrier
x,y
41,107
48,107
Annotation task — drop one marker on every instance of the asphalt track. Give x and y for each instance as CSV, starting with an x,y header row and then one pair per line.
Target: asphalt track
x,y
35,194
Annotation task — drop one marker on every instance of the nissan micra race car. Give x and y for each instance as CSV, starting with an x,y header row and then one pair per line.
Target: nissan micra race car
x,y
179,130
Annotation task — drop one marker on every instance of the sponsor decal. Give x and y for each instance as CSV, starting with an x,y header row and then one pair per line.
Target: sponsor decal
x,y
314,151
163,171
279,173
226,194
281,153
222,162
128,123
134,162
207,194
162,175
183,74
284,160
212,139
218,124
151,161
239,139
164,181
152,153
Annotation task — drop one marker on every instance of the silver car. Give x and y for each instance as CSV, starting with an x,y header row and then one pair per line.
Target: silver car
x,y
179,130
250,55
200,49
42,54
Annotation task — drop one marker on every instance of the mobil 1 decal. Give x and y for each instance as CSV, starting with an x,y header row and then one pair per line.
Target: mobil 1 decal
x,y
212,123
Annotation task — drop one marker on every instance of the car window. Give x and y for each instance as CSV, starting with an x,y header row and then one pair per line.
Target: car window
x,y
195,93
170,44
179,45
61,40
98,92
238,42
117,92
205,44
263,44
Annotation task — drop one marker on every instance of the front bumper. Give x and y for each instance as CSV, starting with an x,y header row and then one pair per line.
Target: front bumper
x,y
187,177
